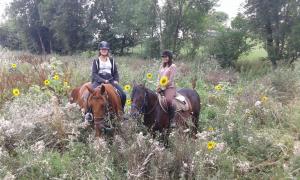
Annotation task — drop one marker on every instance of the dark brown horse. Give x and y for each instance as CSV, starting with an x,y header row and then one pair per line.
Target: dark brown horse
x,y
156,118
103,100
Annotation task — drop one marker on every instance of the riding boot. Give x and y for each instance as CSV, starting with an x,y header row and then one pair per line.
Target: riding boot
x,y
89,113
172,116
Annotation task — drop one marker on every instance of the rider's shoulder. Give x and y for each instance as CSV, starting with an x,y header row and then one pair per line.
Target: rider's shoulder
x,y
173,65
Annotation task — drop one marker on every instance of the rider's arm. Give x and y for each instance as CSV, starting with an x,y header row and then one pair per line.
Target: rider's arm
x,y
172,74
95,75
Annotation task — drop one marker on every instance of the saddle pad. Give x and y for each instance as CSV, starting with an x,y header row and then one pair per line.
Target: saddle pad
x,y
180,98
181,102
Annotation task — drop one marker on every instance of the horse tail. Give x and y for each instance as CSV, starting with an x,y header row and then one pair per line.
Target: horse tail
x,y
194,81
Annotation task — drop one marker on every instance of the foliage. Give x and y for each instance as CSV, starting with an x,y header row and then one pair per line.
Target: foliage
x,y
273,22
228,46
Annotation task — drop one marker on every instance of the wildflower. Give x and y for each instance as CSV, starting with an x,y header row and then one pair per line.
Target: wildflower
x,y
210,129
16,92
220,147
46,82
257,103
56,77
264,99
127,87
163,81
211,145
128,102
14,66
149,75
65,83
218,87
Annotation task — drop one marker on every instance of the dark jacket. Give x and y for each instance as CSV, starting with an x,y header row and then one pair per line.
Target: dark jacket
x,y
96,77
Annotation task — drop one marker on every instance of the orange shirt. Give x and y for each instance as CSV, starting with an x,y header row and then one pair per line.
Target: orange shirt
x,y
169,72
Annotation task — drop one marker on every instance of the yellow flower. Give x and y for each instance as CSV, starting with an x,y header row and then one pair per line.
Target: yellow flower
x,y
14,66
211,145
218,88
264,99
65,83
128,102
210,129
127,87
163,81
56,77
16,92
46,82
149,75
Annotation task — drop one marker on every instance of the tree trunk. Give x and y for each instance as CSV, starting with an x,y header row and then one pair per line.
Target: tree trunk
x,y
123,45
41,43
178,25
270,46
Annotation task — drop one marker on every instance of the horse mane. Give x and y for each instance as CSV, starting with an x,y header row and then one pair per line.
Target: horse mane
x,y
113,98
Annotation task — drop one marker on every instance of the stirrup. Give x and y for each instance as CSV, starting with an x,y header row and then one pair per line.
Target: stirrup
x,y
172,123
89,117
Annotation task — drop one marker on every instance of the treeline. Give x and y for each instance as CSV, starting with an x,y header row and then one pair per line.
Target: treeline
x,y
184,26
67,26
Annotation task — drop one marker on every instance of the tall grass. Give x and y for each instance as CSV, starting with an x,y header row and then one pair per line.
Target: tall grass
x,y
248,127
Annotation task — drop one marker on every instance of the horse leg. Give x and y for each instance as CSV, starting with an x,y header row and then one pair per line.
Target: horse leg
x,y
99,128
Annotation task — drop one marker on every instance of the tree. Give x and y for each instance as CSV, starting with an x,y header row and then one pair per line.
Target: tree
x,y
10,37
184,21
231,43
272,20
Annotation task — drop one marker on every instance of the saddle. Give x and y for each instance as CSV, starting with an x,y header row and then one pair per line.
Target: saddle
x,y
180,102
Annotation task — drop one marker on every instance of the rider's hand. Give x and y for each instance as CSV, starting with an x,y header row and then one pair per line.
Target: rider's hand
x,y
106,81
116,82
158,89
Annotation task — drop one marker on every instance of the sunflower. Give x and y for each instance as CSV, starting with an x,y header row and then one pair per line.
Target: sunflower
x,y
16,92
14,66
56,77
65,83
128,102
264,99
46,82
149,75
211,145
127,87
163,81
218,87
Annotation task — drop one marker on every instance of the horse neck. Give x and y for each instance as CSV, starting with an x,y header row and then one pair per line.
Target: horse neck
x,y
152,100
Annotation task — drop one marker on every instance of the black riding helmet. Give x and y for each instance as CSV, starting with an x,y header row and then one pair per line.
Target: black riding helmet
x,y
103,45
167,53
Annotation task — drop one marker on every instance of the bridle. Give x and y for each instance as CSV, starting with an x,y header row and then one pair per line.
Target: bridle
x,y
142,109
106,110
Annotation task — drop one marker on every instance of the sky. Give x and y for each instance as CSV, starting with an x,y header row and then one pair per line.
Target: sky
x,y
231,7
3,4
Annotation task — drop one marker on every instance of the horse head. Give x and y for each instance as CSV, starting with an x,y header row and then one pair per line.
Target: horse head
x,y
98,102
138,100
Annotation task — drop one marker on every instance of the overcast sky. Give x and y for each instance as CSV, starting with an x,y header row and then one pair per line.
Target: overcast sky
x,y
231,7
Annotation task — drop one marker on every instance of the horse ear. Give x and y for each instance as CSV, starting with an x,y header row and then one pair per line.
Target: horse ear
x,y
102,89
90,89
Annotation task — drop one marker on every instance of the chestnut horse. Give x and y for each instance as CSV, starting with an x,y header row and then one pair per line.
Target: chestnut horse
x,y
104,99
156,118
79,95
